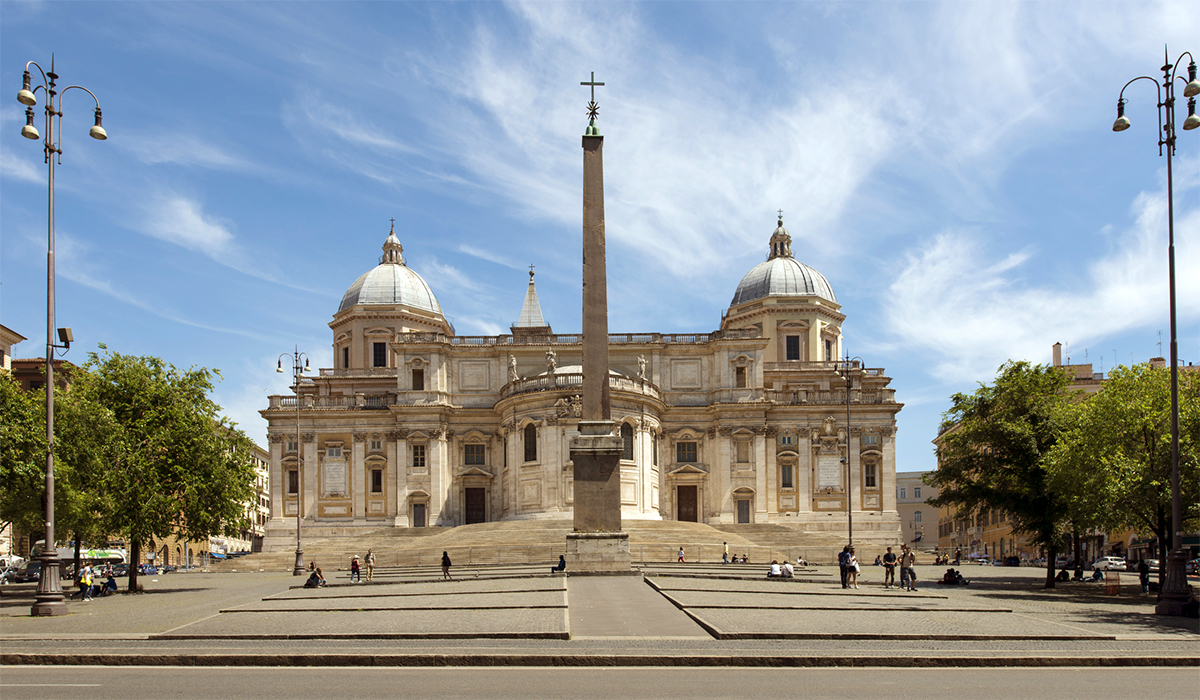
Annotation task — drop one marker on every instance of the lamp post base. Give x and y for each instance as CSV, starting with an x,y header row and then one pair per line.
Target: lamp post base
x,y
298,569
1176,594
48,601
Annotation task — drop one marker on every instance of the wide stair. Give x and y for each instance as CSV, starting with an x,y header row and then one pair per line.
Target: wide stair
x,y
517,542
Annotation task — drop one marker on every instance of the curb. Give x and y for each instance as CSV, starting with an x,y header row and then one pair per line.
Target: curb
x,y
581,660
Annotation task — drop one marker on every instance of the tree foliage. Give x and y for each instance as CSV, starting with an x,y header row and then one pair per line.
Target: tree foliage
x,y
994,451
1113,463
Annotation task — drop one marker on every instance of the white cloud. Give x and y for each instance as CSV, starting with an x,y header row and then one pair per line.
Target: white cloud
x,y
183,149
969,314
180,221
14,168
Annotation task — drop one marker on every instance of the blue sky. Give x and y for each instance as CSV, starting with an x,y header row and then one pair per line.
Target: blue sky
x,y
949,167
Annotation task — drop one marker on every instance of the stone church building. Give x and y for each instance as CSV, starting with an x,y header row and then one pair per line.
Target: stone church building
x,y
416,426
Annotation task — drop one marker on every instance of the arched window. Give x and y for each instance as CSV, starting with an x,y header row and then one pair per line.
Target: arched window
x,y
626,441
531,443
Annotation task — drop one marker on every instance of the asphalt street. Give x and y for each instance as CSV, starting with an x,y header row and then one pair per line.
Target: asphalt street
x,y
100,683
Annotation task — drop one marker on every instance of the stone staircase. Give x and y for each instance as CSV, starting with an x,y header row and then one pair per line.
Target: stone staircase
x,y
517,542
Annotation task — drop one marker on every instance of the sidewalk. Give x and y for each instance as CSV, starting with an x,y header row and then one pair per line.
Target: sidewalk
x,y
684,615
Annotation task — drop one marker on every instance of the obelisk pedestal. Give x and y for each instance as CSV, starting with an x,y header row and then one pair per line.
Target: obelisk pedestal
x,y
597,545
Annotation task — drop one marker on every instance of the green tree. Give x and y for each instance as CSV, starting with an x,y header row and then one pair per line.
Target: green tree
x,y
1113,462
83,438
180,468
994,447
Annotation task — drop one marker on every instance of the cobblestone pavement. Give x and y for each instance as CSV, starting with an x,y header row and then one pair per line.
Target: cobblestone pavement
x,y
767,622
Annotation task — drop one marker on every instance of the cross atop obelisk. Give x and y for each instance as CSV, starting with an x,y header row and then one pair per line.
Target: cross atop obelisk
x,y
593,108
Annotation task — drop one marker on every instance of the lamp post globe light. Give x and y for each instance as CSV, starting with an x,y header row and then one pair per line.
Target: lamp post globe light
x,y
49,597
299,367
845,367
1175,592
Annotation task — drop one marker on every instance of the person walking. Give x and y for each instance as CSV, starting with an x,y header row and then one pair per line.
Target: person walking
x,y
355,572
725,556
446,566
889,569
681,554
1143,570
852,569
370,562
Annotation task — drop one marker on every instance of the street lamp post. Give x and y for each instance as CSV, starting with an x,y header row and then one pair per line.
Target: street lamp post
x,y
1175,592
298,370
49,597
845,367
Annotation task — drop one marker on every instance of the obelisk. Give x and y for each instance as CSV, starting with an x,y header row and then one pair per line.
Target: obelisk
x,y
597,544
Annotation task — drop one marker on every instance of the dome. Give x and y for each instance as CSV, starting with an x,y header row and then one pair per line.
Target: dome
x,y
782,275
391,283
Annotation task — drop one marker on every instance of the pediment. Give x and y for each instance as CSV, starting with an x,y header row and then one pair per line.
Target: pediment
x,y
476,471
688,469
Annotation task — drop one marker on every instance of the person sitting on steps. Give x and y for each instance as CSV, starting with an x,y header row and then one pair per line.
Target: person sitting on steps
x,y
562,565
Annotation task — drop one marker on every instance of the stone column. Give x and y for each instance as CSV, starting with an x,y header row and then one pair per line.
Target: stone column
x,y
763,479
436,457
598,544
278,480
309,480
397,455
358,479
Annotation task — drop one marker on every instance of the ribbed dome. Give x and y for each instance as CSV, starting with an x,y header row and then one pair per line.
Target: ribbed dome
x,y
391,283
782,275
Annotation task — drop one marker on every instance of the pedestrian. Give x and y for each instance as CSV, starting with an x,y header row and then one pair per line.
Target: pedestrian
x,y
681,554
889,569
1143,570
446,567
725,556
852,570
908,575
843,562
370,562
85,584
355,572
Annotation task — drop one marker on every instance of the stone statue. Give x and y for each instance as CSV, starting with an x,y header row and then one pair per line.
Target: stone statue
x,y
551,360
641,367
512,369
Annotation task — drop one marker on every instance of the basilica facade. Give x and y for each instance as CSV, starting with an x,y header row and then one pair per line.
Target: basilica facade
x,y
416,426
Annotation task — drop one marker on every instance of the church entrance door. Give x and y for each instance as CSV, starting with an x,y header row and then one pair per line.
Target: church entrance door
x,y
743,510
418,515
685,496
476,511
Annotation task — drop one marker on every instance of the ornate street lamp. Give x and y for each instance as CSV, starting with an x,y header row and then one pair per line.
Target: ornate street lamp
x,y
845,367
1175,589
298,370
49,597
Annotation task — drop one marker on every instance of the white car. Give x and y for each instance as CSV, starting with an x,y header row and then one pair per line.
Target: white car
x,y
1109,564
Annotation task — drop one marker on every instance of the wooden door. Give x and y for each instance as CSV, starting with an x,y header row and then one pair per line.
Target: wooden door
x,y
418,515
686,499
476,506
743,511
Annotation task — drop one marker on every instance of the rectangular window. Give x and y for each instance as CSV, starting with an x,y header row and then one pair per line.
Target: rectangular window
x,y
334,452
473,455
785,440
916,492
792,345
785,476
916,516
828,350
418,455
903,492
626,441
293,481
530,440
376,445
418,380
868,439
346,357
741,451
654,449
380,354
739,377
291,445
685,452
376,481
869,475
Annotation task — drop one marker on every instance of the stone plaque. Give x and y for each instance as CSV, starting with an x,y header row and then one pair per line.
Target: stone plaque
x,y
829,471
473,376
826,504
685,374
531,493
628,493
335,476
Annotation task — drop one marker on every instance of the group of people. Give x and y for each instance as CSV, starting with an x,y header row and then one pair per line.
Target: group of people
x,y
356,568
90,585
906,561
784,570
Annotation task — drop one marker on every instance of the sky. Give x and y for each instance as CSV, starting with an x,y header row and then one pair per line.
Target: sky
x,y
949,167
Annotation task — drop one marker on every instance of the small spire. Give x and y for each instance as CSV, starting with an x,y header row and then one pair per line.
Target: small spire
x,y
531,310
781,241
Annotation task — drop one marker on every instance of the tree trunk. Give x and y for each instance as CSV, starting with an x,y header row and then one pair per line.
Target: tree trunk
x,y
1076,553
1051,555
135,557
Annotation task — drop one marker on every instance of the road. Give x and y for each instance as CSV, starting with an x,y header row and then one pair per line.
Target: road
x,y
101,683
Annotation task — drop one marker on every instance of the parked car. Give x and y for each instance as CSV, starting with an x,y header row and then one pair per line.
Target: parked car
x,y
120,570
1013,560
1109,564
1193,566
1153,564
29,571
